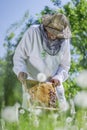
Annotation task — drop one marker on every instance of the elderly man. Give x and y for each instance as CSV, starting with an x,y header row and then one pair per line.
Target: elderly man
x,y
45,48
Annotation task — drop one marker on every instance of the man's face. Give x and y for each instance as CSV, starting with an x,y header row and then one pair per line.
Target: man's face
x,y
51,36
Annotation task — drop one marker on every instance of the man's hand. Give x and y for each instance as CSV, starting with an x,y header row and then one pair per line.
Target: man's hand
x,y
56,82
22,76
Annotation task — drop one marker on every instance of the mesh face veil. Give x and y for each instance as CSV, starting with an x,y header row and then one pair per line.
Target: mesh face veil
x,y
52,47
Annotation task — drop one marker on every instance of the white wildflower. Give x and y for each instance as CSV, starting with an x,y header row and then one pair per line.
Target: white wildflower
x,y
69,119
82,79
37,111
86,124
81,128
22,111
80,99
55,116
41,77
36,123
85,116
74,127
64,106
2,124
10,113
72,108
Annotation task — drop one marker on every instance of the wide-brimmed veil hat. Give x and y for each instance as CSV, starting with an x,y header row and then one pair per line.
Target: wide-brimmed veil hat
x,y
57,24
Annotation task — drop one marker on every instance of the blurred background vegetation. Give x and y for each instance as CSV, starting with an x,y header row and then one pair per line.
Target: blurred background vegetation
x,y
76,11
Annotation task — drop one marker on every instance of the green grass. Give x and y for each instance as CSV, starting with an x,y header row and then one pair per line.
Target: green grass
x,y
48,120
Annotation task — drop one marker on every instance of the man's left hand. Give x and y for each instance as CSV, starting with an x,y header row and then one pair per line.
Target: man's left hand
x,y
56,82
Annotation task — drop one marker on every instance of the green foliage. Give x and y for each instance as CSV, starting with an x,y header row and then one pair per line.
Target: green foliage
x,y
2,71
9,78
76,11
11,36
79,30
47,10
56,2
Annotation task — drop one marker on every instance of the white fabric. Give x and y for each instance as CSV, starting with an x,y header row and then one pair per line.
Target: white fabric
x,y
30,57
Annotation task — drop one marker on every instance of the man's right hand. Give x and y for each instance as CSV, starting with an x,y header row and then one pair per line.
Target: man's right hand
x,y
22,76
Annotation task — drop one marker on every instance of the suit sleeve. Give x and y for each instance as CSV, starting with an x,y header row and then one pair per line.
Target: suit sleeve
x,y
22,53
64,66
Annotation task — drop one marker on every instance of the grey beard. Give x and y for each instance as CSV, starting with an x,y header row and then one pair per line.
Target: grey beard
x,y
52,47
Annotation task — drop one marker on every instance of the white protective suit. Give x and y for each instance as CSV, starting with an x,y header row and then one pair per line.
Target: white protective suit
x,y
31,58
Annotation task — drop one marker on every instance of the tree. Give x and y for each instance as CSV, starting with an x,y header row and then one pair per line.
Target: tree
x,y
56,2
76,11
